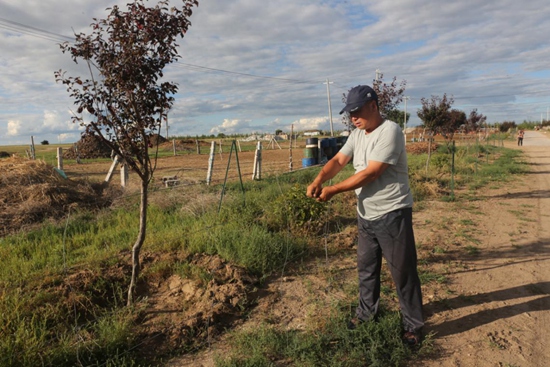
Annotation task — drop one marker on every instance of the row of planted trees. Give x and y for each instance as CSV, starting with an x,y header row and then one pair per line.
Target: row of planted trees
x,y
436,113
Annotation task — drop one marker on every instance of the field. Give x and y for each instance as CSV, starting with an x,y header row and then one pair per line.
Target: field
x,y
186,163
268,277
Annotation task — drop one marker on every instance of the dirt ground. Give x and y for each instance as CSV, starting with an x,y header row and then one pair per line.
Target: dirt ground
x,y
492,310
499,312
494,307
193,169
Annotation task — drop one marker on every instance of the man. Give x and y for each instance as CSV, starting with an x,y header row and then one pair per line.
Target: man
x,y
384,209
521,133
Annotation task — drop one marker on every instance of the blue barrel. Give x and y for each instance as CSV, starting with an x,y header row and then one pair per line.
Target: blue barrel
x,y
332,142
312,141
325,143
311,152
308,162
329,152
342,139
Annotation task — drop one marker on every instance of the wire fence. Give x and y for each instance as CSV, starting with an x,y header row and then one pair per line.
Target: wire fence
x,y
189,174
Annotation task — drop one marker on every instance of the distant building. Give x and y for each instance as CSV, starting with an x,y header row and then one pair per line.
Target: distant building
x,y
312,133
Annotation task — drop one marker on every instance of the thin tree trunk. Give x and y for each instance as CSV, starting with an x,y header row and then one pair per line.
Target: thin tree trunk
x,y
429,153
139,242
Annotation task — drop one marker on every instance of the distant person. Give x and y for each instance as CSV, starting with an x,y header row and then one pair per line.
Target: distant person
x,y
521,133
384,209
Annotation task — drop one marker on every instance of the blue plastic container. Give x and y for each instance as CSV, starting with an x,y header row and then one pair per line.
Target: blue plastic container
x,y
308,162
312,141
311,152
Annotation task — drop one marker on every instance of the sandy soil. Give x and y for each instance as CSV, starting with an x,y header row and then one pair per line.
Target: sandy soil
x,y
494,307
499,312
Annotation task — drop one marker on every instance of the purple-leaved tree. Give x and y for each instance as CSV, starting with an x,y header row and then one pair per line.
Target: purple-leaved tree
x,y
124,99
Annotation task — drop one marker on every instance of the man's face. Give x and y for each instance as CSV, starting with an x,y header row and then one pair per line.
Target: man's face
x,y
361,117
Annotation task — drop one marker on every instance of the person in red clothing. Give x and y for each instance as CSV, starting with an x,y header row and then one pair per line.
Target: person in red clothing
x,y
520,137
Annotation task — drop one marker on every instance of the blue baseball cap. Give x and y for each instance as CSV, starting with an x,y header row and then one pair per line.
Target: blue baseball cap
x,y
357,97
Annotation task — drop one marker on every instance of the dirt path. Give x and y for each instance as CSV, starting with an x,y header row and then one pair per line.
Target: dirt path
x,y
499,311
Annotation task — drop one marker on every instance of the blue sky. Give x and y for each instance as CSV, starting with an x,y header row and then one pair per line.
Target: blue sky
x,y
257,66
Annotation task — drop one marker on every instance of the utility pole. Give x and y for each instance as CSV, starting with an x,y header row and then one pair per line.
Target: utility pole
x,y
329,106
405,122
290,148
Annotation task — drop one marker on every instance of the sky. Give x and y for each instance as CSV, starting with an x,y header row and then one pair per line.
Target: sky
x,y
251,66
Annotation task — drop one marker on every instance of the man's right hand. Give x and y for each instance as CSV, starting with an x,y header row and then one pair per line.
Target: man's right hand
x,y
314,190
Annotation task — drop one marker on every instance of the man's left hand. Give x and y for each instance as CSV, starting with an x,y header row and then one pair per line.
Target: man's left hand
x,y
327,193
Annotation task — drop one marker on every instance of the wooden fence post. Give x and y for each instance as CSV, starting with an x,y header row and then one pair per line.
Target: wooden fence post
x,y
290,149
111,170
33,152
257,173
60,158
77,154
211,162
124,175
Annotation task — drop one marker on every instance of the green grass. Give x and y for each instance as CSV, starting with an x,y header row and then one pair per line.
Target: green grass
x,y
427,277
372,344
47,153
472,250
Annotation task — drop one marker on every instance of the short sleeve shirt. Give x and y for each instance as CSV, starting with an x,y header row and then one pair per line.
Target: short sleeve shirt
x,y
391,190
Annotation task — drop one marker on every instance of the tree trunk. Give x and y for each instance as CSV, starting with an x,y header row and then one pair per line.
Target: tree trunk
x,y
139,242
429,153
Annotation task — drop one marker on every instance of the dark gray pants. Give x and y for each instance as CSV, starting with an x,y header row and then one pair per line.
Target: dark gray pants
x,y
390,236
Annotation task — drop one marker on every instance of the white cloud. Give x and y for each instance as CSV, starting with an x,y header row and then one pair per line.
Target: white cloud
x,y
231,126
64,138
314,123
53,121
13,128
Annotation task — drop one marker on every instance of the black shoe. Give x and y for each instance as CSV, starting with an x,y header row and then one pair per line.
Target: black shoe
x,y
354,323
412,339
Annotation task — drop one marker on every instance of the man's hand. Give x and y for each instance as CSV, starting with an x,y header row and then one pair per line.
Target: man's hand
x,y
327,193
314,190
335,165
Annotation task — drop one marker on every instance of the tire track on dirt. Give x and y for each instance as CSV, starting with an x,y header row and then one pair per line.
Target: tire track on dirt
x,y
499,313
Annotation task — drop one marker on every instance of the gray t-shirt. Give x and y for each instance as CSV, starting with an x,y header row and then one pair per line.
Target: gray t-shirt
x,y
391,190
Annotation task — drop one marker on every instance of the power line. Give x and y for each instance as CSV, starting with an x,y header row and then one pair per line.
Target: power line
x,y
200,68
33,31
44,34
